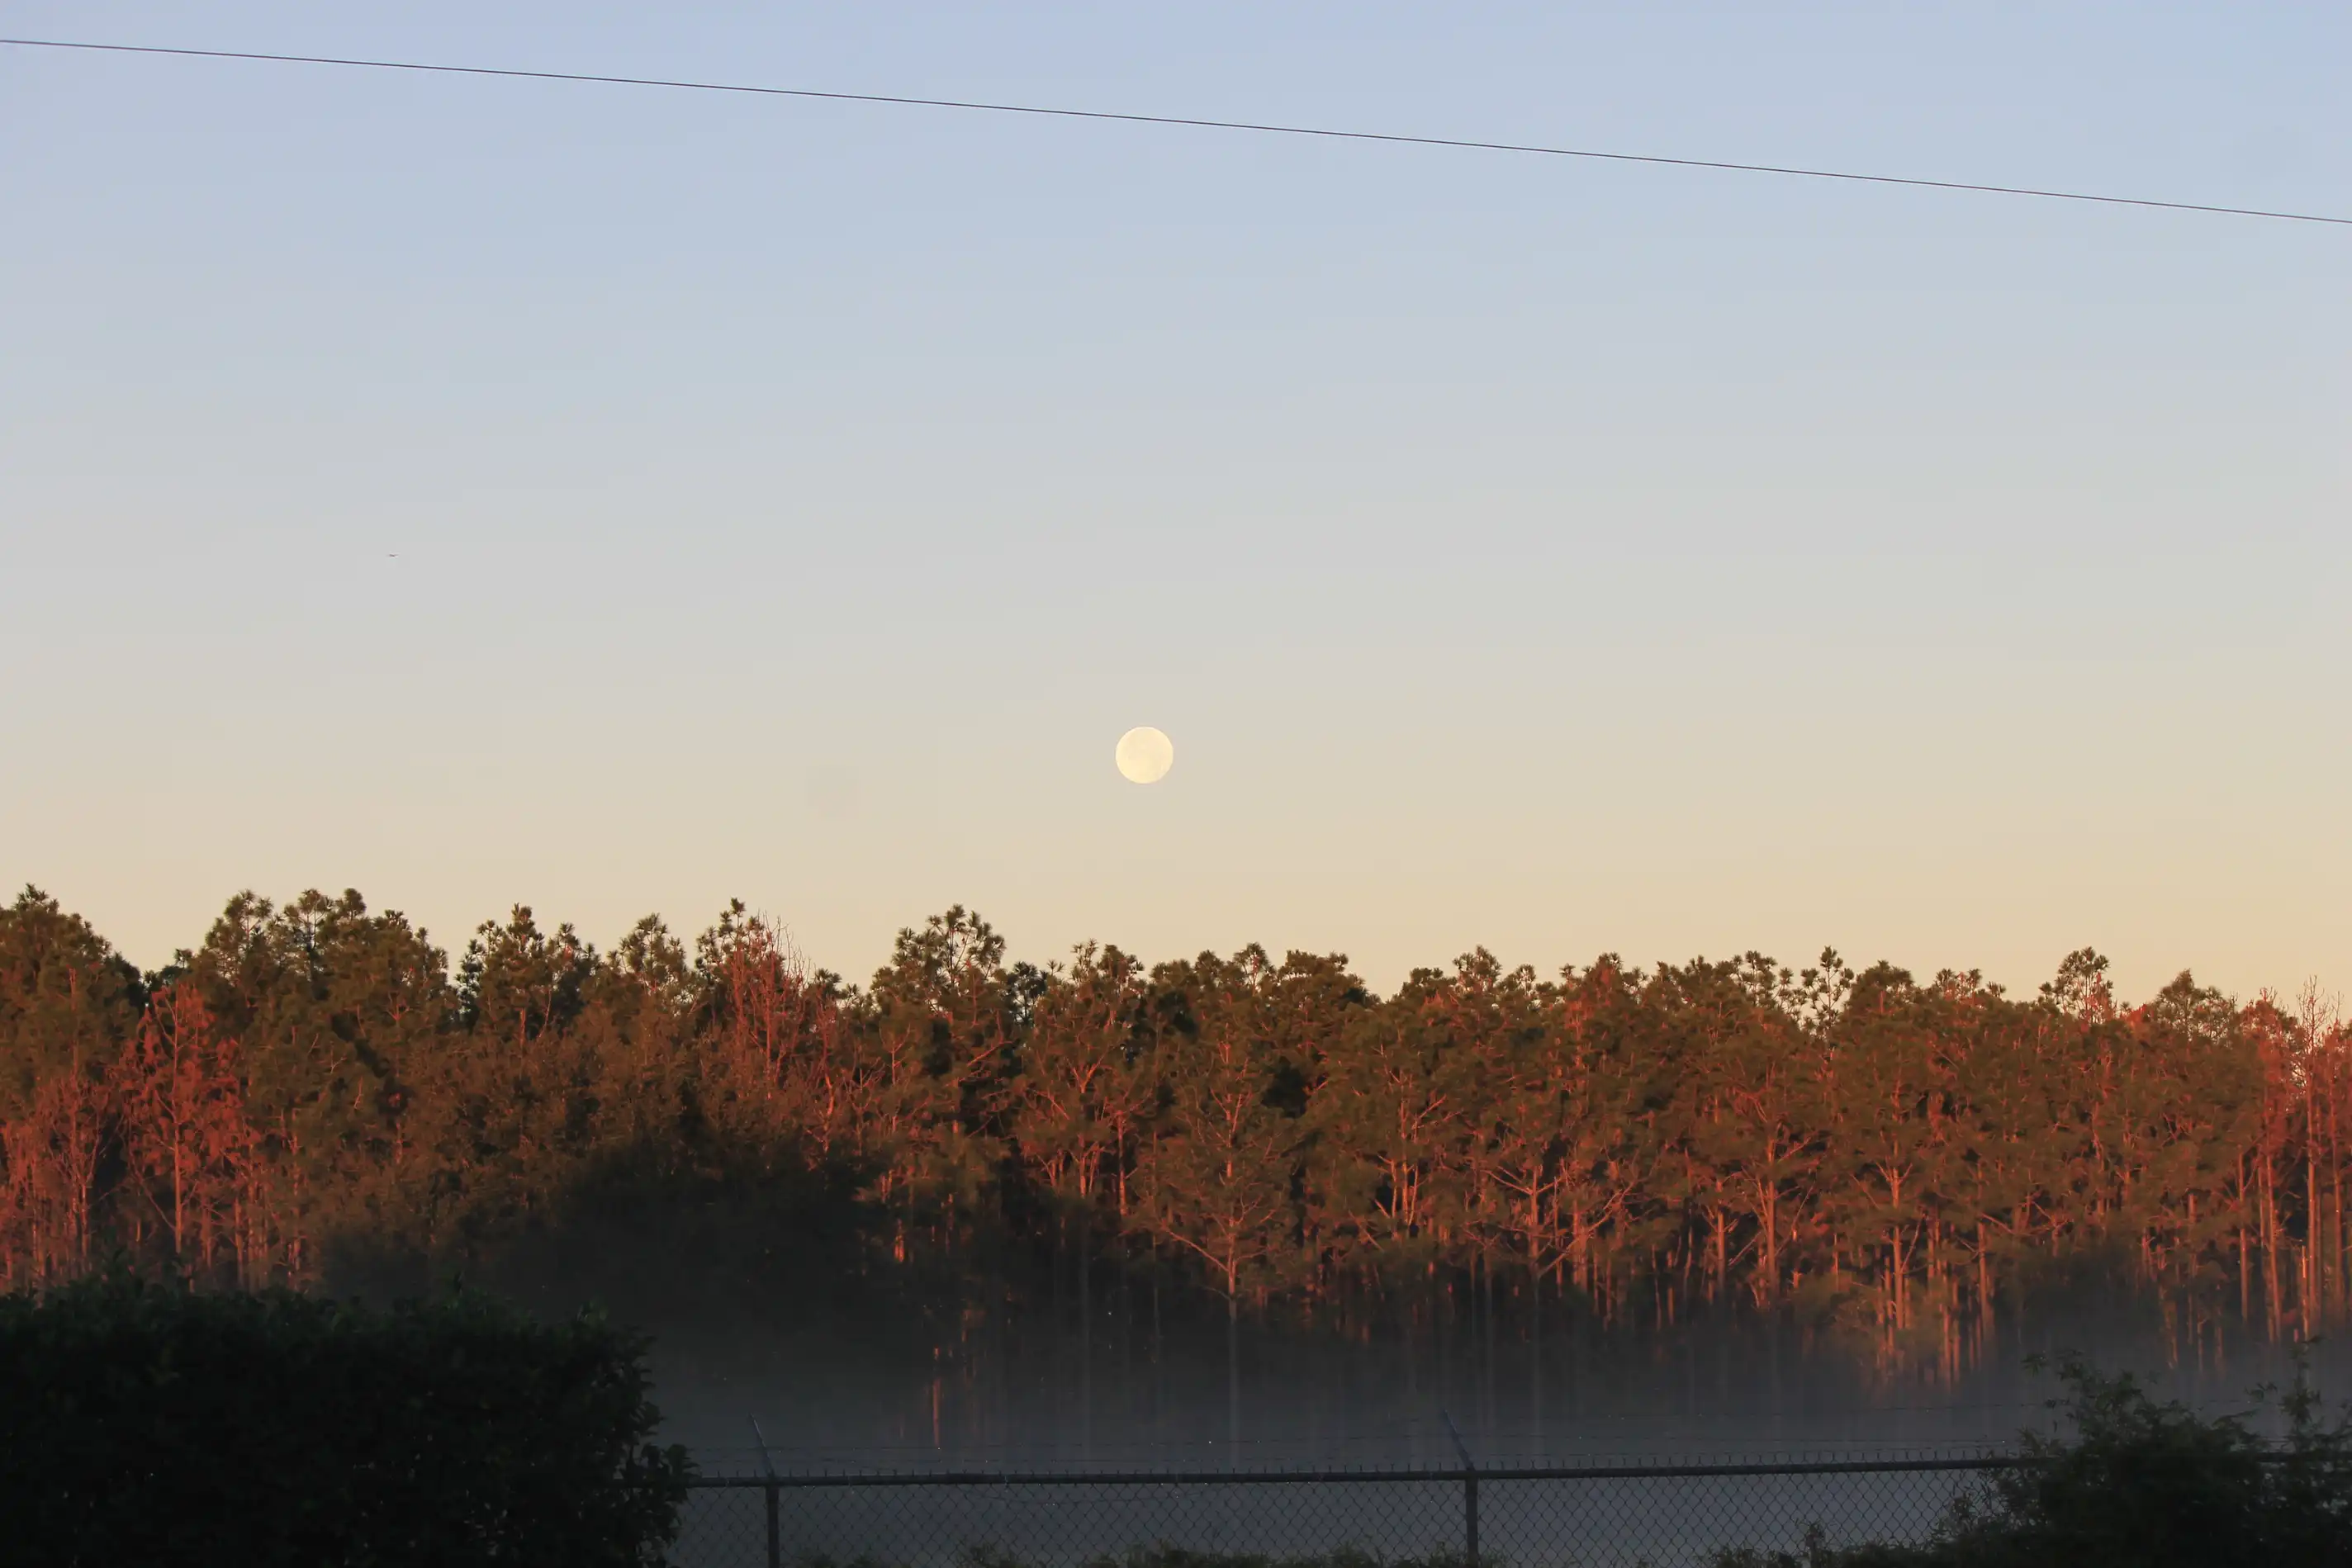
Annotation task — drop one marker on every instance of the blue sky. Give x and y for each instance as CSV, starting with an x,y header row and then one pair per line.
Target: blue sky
x,y
480,492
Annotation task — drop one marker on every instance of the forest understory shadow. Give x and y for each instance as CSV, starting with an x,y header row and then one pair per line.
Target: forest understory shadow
x,y
784,1304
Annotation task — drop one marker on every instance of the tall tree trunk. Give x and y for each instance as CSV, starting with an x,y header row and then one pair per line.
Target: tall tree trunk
x,y
1233,1375
1159,1362
1535,1342
2269,1247
2314,1219
1486,1353
1086,1338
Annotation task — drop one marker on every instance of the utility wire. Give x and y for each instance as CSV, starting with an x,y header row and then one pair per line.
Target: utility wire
x,y
1188,122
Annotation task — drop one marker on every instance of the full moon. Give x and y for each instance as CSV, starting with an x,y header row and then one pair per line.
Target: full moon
x,y
1145,755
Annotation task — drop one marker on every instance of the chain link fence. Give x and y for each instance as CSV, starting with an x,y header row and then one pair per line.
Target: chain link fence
x,y
1635,1512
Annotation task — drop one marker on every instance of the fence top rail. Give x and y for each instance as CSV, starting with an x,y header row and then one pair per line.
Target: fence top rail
x,y
1629,1470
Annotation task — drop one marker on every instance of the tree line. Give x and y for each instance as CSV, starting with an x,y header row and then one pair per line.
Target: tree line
x,y
1905,1162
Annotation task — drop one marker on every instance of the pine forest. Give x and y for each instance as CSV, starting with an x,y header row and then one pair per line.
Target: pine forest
x,y
1887,1168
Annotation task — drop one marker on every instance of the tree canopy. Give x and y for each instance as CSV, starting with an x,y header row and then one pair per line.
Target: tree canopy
x,y
1891,1158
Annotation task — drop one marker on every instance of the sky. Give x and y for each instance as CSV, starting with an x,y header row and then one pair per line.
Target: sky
x,y
483,492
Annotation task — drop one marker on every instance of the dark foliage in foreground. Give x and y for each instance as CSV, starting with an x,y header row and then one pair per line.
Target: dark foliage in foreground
x,y
147,1423
1164,1556
2140,1485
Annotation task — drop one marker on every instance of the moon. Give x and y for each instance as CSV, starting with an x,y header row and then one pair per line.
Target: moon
x,y
1145,755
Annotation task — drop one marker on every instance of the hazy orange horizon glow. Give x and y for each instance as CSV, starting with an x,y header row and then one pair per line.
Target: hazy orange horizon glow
x,y
481,494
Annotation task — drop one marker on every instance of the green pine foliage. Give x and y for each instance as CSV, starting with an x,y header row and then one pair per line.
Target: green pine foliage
x,y
1905,1167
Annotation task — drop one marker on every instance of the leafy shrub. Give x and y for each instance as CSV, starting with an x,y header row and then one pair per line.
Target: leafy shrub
x,y
1179,1557
149,1423
2140,1485
1166,1556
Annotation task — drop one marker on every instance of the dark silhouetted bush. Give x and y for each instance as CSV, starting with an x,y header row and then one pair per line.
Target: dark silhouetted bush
x,y
2140,1485
146,1423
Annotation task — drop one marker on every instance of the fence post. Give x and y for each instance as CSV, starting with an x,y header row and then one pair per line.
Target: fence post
x,y
775,1527
1469,1493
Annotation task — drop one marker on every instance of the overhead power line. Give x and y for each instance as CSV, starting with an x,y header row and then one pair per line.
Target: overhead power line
x,y
1187,121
